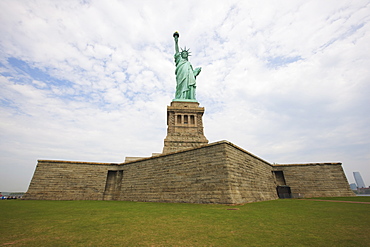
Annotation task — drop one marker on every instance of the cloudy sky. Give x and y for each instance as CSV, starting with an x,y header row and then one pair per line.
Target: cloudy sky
x,y
289,81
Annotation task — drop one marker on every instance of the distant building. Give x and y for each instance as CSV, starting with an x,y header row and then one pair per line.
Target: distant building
x,y
360,183
353,186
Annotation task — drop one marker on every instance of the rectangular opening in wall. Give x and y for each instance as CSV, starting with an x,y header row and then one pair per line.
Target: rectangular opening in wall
x,y
186,119
284,192
113,185
179,119
109,184
279,177
192,119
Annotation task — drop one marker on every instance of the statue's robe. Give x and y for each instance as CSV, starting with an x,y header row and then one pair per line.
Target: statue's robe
x,y
185,78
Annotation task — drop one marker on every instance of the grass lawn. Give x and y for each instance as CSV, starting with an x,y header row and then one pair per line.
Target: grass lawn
x,y
352,199
289,222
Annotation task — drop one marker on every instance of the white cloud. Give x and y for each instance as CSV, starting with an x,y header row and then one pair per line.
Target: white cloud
x,y
286,80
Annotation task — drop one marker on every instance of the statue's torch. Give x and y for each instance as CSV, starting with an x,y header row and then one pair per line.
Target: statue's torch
x,y
176,37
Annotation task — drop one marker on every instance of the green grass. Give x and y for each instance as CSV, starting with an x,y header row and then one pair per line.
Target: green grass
x,y
354,199
289,222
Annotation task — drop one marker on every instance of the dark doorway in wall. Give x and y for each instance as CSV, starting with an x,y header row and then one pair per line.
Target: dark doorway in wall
x,y
284,192
279,177
113,185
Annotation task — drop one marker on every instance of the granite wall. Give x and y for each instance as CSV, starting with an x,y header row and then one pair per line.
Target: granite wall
x,y
68,180
195,176
215,173
250,177
315,179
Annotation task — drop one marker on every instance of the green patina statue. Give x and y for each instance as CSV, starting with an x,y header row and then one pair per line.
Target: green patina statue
x,y
185,74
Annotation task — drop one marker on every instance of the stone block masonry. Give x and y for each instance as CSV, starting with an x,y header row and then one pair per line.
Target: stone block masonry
x,y
251,179
316,179
219,172
68,180
194,176
185,126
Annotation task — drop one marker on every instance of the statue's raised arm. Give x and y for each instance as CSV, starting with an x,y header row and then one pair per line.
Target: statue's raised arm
x,y
185,74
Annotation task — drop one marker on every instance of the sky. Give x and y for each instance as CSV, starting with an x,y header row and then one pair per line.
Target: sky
x,y
288,81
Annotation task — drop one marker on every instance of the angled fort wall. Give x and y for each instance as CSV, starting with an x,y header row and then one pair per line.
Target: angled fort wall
x,y
314,179
68,180
218,172
251,178
214,173
198,175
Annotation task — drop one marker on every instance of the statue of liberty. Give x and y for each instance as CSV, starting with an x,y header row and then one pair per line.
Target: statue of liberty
x,y
185,74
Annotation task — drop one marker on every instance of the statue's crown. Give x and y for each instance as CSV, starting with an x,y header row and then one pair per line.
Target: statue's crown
x,y
186,51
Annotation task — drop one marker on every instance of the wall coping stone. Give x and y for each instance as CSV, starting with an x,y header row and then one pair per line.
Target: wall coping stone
x,y
76,162
309,164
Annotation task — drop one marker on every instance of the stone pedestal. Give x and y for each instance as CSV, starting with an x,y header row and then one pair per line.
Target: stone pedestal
x,y
185,126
